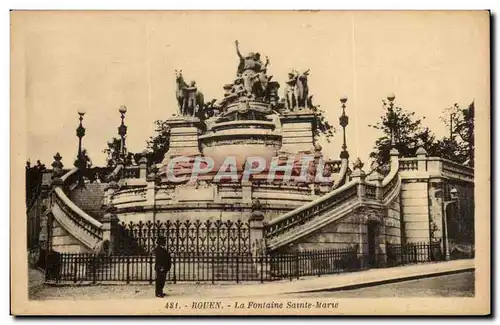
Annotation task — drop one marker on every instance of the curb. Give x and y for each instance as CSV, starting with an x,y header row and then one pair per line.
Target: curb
x,y
387,281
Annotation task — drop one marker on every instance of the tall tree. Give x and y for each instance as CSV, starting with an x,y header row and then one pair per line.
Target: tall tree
x,y
460,143
158,144
409,132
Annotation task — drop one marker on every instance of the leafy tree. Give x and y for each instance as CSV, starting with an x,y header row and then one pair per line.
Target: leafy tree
x,y
33,180
460,122
322,124
409,134
113,153
158,145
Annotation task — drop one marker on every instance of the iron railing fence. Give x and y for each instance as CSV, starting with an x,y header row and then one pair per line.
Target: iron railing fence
x,y
412,253
218,267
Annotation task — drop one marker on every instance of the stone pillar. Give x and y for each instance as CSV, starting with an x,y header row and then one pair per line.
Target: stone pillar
x,y
151,188
183,140
246,192
297,131
109,222
359,174
394,153
143,165
377,178
256,222
422,159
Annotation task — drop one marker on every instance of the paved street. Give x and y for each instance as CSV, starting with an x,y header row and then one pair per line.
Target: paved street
x,y
455,285
458,284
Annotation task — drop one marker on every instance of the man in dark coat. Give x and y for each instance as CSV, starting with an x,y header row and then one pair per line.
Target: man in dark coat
x,y
162,266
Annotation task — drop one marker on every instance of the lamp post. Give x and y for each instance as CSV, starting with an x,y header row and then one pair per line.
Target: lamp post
x,y
344,121
122,131
392,118
80,162
154,178
454,199
80,133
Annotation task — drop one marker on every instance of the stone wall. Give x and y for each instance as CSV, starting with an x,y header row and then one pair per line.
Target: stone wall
x,y
89,198
393,223
414,201
345,233
63,242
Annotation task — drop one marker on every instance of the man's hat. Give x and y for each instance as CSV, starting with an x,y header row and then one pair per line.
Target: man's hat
x,y
161,240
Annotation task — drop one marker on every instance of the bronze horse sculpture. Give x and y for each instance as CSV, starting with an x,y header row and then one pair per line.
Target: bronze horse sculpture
x,y
189,99
302,90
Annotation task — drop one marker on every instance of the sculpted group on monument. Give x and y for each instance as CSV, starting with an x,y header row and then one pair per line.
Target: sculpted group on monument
x,y
251,84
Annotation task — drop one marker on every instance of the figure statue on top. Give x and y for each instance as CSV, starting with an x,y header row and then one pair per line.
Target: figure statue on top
x,y
297,91
189,99
251,70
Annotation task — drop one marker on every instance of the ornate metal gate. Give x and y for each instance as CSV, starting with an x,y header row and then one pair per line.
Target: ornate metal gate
x,y
183,237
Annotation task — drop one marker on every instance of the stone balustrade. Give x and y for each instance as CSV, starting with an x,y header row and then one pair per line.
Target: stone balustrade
x,y
434,166
73,219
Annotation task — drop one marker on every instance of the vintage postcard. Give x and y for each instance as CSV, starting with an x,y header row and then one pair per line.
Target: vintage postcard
x,y
250,162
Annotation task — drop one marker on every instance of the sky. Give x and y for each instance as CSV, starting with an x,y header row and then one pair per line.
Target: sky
x,y
101,60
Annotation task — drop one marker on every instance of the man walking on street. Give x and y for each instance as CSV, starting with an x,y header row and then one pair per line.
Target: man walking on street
x,y
162,266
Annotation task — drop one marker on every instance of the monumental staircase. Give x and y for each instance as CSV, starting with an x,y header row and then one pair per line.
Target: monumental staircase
x,y
87,230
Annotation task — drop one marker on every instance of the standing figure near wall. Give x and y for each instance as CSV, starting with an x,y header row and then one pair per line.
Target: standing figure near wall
x,y
290,95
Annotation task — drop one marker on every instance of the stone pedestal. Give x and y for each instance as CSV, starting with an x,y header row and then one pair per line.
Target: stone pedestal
x,y
183,139
109,225
421,159
297,128
143,165
359,174
256,222
377,179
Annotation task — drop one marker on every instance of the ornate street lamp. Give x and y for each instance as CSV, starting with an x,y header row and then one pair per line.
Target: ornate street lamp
x,y
80,133
446,242
80,162
392,118
344,121
122,132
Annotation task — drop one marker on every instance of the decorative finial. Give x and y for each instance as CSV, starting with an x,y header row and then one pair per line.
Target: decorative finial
x,y
358,164
391,97
122,109
420,148
343,99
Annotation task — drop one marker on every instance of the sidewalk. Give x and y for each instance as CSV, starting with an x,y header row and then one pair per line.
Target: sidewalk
x,y
332,282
